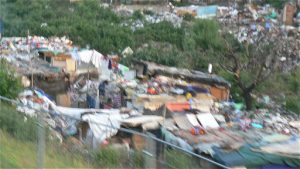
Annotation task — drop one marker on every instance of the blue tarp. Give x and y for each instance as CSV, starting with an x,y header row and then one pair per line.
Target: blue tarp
x,y
43,93
207,11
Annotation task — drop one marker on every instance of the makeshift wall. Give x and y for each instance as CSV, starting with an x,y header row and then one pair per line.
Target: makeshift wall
x,y
139,70
58,63
288,14
138,142
219,93
63,100
70,65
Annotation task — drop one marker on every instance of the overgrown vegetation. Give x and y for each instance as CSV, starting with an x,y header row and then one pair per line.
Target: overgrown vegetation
x,y
109,157
279,4
15,153
87,23
287,89
16,124
193,45
176,159
10,83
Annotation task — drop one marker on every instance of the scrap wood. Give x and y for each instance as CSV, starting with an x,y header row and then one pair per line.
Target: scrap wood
x,y
192,119
207,120
229,135
192,139
153,105
183,122
205,78
139,120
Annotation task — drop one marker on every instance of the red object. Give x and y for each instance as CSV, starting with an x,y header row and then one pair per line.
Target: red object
x,y
151,90
174,107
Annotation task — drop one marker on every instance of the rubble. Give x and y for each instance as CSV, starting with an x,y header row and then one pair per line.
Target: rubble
x,y
191,109
190,118
264,22
156,17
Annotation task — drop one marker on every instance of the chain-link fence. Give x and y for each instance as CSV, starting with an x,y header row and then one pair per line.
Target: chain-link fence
x,y
36,142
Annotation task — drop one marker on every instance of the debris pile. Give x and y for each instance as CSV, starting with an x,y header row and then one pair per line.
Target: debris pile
x,y
190,109
154,17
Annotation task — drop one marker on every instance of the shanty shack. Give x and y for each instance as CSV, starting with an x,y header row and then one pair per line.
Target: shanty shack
x,y
61,60
217,86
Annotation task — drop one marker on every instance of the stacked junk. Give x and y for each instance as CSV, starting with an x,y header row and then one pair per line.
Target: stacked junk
x,y
190,109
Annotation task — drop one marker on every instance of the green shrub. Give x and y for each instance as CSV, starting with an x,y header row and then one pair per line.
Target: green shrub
x,y
137,15
148,12
206,34
188,17
279,4
292,103
177,159
10,83
108,157
138,159
15,123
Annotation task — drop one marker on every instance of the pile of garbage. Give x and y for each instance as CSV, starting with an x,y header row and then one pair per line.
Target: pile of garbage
x,y
256,23
154,17
30,43
191,113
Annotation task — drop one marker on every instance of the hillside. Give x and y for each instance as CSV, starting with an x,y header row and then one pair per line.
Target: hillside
x,y
15,153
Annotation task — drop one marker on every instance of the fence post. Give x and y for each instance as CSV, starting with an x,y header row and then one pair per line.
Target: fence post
x,y
41,141
149,154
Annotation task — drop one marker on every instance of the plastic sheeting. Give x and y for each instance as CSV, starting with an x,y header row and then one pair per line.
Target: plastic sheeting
x,y
246,157
76,112
207,11
103,126
171,138
92,56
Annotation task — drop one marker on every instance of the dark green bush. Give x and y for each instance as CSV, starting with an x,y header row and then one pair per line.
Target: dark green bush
x,y
137,15
16,124
292,103
188,17
10,83
148,12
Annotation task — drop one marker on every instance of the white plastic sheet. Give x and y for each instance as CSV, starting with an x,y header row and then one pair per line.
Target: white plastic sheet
x,y
92,56
104,126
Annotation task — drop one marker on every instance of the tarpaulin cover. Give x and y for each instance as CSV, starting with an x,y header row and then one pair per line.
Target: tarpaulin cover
x,y
104,126
278,167
76,112
171,138
246,157
207,11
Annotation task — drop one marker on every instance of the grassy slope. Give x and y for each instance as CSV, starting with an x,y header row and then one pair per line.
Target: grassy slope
x,y
18,142
15,153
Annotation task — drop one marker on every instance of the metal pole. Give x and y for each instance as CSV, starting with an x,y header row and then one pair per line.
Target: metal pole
x,y
28,33
41,142
149,154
